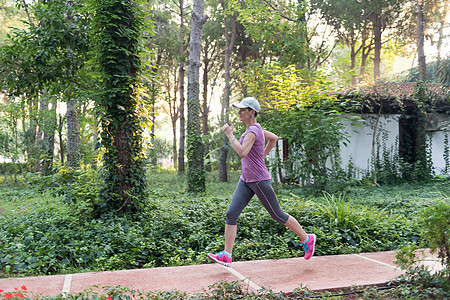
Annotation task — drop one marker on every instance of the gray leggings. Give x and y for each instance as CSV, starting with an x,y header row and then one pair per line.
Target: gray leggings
x,y
244,193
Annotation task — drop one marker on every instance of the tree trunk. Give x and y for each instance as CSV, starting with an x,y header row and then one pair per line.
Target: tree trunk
x,y
174,110
205,107
365,51
49,138
181,148
441,36
353,58
30,134
174,115
73,134
123,160
376,21
229,43
73,125
61,141
420,42
174,144
196,172
153,95
40,142
374,139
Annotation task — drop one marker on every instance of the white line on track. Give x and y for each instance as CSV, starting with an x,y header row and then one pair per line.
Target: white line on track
x,y
67,283
377,261
243,278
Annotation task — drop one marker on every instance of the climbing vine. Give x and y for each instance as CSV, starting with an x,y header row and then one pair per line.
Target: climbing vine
x,y
195,148
117,38
416,152
446,154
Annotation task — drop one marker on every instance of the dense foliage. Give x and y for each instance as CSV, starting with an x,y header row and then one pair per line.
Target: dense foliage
x,y
43,64
46,225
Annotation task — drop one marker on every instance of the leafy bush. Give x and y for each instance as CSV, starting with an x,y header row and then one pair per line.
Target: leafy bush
x,y
12,168
435,221
362,228
77,188
421,284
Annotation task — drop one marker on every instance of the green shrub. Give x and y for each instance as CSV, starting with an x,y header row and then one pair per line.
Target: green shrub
x,y
435,222
77,188
10,167
363,228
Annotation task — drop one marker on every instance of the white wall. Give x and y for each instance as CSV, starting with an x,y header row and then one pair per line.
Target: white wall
x,y
359,147
437,151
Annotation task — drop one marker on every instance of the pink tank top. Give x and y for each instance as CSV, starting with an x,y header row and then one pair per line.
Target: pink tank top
x,y
253,166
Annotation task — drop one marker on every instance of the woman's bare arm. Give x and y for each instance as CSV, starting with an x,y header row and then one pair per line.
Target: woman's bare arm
x,y
271,141
247,144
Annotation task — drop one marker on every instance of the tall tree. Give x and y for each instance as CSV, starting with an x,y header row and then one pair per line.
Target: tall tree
x,y
182,55
229,20
351,26
72,115
118,38
196,173
170,82
383,14
212,58
421,40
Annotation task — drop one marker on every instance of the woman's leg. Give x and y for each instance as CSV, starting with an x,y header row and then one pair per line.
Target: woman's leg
x,y
266,195
230,236
241,197
293,225
268,198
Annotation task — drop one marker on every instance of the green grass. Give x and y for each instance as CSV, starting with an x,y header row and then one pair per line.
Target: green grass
x,y
46,225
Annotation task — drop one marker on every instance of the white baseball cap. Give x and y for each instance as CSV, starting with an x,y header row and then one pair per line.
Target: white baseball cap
x,y
249,102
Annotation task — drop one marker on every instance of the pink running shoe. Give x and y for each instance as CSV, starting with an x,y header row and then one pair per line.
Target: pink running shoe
x,y
309,246
220,258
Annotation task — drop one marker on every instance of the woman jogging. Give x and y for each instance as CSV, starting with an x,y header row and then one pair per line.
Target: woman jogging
x,y
255,179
